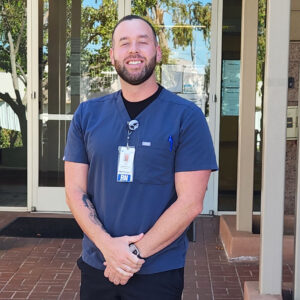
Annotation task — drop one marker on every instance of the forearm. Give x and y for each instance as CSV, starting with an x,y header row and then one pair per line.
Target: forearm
x,y
190,188
86,216
115,250
169,227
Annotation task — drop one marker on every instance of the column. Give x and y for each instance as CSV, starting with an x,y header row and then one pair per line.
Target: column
x,y
247,115
274,134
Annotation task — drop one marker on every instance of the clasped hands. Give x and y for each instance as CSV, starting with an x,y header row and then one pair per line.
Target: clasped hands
x,y
120,263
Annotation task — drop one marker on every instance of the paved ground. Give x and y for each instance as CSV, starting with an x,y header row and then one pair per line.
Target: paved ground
x,y
40,268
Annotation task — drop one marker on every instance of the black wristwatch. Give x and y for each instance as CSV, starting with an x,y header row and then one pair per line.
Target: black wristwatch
x,y
134,249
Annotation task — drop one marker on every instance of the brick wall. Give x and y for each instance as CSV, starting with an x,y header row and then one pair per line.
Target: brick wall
x,y
291,147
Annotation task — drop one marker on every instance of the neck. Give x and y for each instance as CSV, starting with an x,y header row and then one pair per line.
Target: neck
x,y
135,93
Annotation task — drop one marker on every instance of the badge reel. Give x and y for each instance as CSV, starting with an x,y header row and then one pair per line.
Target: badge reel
x,y
126,156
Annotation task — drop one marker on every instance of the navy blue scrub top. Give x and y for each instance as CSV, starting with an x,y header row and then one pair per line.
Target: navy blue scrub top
x,y
173,136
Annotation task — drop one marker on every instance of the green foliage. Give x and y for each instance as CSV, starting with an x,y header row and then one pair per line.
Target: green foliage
x,y
96,29
12,19
196,15
10,138
261,47
187,16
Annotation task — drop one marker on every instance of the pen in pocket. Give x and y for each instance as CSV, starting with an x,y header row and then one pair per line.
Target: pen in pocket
x,y
171,143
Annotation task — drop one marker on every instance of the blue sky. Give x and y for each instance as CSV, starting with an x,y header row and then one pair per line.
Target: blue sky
x,y
202,53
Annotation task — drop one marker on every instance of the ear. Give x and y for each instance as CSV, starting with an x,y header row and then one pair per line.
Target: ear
x,y
111,54
158,54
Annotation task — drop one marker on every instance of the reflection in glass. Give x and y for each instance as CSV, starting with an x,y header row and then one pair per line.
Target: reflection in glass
x,y
228,148
74,66
183,30
13,122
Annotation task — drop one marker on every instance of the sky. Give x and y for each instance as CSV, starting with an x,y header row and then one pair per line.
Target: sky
x,y
201,50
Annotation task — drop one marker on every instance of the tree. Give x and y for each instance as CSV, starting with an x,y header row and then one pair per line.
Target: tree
x,y
186,17
13,55
192,16
96,29
261,47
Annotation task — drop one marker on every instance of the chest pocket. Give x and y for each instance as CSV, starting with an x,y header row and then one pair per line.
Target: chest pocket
x,y
153,165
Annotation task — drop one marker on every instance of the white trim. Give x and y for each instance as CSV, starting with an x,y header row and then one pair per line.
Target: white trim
x,y
215,90
14,208
221,212
55,117
32,101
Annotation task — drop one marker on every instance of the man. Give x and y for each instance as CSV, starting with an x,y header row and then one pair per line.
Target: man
x,y
137,163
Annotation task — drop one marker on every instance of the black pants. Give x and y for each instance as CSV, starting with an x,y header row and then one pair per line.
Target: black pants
x,y
159,286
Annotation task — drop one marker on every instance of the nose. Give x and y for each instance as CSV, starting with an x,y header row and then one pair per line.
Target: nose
x,y
133,47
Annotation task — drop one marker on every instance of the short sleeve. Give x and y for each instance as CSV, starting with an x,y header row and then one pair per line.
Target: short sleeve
x,y
195,149
75,150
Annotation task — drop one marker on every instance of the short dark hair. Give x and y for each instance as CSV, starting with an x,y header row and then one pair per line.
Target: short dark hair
x,y
134,17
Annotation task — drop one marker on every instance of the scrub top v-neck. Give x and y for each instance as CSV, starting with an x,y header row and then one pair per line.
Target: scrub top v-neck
x,y
135,108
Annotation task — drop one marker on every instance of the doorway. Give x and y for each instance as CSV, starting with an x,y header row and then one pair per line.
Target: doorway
x,y
74,41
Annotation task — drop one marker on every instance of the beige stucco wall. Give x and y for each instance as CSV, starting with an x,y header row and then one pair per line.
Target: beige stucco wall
x,y
295,20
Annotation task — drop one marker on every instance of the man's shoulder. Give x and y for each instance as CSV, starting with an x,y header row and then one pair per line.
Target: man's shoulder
x,y
99,100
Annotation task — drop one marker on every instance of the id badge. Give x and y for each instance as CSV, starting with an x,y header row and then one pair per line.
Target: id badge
x,y
125,164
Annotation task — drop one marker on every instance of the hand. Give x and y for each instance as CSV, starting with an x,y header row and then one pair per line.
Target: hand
x,y
117,277
119,260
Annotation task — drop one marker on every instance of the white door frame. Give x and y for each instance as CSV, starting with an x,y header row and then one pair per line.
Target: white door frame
x,y
214,101
32,102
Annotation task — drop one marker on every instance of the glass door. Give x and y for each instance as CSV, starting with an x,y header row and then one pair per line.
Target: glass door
x,y
13,105
74,66
188,43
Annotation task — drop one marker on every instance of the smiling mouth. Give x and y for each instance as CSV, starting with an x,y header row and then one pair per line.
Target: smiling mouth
x,y
134,62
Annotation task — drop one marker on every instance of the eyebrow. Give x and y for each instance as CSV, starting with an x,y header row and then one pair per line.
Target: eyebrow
x,y
143,36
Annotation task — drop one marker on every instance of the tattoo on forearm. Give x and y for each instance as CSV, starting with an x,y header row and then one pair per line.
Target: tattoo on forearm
x,y
92,212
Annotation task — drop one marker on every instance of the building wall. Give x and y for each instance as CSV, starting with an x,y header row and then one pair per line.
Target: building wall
x,y
293,97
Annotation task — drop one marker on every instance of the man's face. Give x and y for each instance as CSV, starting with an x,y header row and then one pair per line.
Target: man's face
x,y
135,52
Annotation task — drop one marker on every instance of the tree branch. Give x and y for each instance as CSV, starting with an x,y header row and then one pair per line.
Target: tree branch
x,y
20,36
9,100
89,40
24,77
13,62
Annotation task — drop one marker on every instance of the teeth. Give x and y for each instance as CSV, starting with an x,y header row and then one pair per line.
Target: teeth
x,y
134,62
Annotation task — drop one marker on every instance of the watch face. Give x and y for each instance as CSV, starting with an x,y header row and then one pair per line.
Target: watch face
x,y
134,249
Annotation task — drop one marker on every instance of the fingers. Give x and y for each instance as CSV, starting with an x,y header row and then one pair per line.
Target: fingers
x,y
134,238
124,269
117,277
124,273
133,261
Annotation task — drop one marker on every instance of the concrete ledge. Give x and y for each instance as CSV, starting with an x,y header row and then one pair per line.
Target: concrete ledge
x,y
251,292
246,245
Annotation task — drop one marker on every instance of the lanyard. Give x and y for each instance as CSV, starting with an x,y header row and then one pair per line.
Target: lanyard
x,y
132,126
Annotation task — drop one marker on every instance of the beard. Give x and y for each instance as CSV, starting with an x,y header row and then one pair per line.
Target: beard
x,y
138,78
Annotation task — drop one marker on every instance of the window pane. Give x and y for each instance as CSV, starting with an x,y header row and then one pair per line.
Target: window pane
x,y
13,122
74,67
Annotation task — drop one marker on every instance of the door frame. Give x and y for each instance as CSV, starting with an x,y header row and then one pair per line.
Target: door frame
x,y
32,101
214,99
34,191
